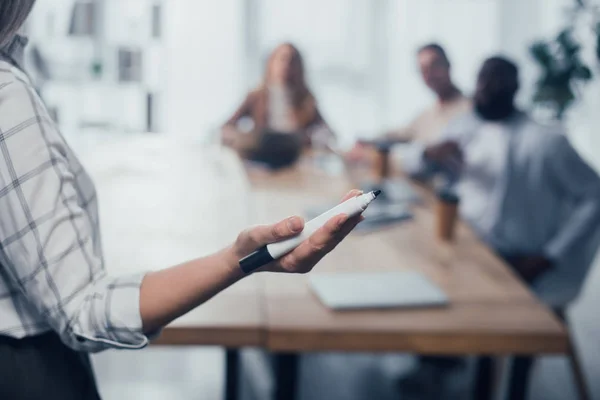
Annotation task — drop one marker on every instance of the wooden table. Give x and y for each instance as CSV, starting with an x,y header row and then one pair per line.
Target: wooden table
x,y
491,311
189,201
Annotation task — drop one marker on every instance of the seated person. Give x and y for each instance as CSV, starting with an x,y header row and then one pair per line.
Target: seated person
x,y
435,70
281,105
523,188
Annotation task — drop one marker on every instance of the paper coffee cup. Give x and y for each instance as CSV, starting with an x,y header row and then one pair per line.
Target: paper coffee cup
x,y
382,164
446,214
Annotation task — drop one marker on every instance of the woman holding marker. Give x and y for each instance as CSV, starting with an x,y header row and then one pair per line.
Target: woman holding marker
x,y
56,301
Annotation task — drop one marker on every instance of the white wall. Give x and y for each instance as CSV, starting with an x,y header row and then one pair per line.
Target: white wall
x,y
205,66
584,119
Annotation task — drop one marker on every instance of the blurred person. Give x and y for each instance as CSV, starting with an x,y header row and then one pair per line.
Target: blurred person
x,y
57,303
523,189
435,67
282,104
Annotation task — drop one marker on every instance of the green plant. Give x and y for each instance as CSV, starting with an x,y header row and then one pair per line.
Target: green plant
x,y
563,69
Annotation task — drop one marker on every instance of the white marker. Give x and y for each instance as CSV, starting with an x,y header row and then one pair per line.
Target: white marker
x,y
273,251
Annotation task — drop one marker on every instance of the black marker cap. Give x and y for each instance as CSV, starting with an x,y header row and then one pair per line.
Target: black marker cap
x,y
255,260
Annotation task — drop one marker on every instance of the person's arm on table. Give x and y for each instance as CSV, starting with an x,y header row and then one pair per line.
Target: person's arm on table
x,y
444,155
418,160
404,134
364,148
317,131
229,131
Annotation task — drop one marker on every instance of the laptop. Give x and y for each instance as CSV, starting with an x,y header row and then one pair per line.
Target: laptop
x,y
376,290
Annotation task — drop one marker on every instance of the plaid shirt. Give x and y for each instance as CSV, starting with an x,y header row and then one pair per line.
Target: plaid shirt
x,y
52,275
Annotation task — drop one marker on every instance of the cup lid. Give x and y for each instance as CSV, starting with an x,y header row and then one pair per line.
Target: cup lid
x,y
448,196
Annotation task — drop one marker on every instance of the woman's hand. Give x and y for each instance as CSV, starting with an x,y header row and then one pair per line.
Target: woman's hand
x,y
304,257
171,292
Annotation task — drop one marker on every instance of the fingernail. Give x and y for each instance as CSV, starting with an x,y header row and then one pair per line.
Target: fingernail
x,y
295,224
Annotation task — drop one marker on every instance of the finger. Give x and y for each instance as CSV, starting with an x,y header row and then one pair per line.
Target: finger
x,y
322,240
341,234
347,227
265,234
351,194
311,251
325,235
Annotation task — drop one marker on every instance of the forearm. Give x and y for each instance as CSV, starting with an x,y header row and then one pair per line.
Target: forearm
x,y
580,186
581,224
401,135
167,294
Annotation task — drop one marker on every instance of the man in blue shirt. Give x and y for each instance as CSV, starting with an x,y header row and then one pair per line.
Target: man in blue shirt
x,y
523,188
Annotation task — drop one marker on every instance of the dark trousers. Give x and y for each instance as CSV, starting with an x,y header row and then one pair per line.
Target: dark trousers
x,y
43,368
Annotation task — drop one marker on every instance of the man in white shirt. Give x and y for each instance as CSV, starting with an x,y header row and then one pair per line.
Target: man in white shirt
x,y
434,66
522,187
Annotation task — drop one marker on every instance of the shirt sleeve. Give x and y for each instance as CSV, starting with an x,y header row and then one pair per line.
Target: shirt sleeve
x,y
410,157
579,183
47,237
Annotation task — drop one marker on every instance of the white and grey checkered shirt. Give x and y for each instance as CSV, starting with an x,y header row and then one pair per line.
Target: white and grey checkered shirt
x,y
52,275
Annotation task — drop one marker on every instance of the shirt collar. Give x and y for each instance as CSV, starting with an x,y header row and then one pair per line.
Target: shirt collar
x,y
14,50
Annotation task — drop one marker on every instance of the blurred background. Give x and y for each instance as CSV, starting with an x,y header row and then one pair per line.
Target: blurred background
x,y
181,67
109,69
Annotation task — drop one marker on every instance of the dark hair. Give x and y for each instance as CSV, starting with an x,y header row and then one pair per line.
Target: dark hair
x,y
437,48
500,64
501,69
497,85
13,14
